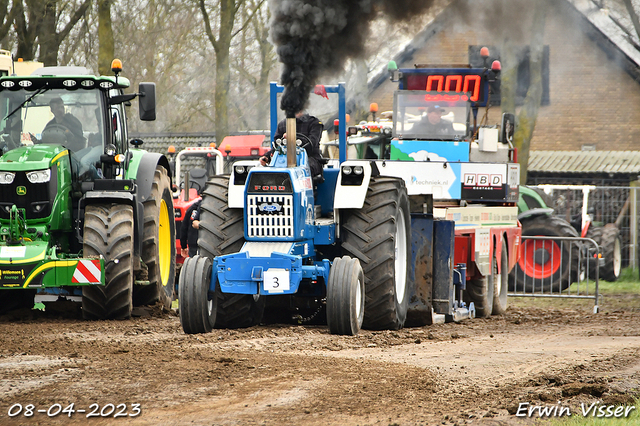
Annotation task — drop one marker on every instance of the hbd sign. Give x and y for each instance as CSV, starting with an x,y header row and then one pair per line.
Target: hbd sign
x,y
482,180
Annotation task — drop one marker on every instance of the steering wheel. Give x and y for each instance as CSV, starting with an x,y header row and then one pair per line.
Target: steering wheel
x,y
55,133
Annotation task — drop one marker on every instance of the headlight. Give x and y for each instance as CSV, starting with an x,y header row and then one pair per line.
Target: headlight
x,y
239,170
346,170
110,150
7,177
40,176
358,170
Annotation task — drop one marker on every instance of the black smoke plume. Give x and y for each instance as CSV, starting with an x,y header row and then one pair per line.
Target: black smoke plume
x,y
316,36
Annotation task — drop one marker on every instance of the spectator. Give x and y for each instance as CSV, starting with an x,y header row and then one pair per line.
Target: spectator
x,y
189,230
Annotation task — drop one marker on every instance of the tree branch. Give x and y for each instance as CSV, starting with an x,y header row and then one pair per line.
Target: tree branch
x,y
633,15
253,12
207,26
74,20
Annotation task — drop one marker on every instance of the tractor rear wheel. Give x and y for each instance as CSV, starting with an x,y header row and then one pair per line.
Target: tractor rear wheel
x,y
378,235
500,280
345,296
197,309
611,247
108,232
546,265
222,232
158,244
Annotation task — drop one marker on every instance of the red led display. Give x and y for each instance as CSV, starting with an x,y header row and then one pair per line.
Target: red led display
x,y
448,85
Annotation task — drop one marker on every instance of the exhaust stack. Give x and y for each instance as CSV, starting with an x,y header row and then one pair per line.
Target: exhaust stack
x,y
291,142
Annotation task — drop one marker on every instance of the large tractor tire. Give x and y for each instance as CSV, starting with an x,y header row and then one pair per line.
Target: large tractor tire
x,y
595,233
500,281
378,235
345,296
197,309
222,232
108,232
158,244
480,291
611,247
546,265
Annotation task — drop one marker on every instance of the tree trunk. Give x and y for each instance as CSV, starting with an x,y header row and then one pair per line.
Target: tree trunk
x,y
48,36
106,49
529,113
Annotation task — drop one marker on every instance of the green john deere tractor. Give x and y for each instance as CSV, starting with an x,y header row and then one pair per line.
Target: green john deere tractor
x,y
85,214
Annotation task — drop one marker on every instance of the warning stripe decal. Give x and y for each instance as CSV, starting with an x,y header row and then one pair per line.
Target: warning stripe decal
x,y
87,271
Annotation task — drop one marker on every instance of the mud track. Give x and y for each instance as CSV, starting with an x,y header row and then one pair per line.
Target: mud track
x,y
475,372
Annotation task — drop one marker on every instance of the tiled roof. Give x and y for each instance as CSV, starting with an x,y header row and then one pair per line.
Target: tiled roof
x,y
584,161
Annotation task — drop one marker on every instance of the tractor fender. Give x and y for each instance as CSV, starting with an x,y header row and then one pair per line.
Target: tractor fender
x,y
146,170
534,213
351,189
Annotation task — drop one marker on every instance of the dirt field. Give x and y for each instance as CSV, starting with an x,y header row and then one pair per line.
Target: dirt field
x,y
475,372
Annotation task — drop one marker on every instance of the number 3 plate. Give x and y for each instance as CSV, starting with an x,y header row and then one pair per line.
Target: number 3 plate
x,y
276,280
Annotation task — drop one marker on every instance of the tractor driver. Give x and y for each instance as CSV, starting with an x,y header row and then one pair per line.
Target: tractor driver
x,y
70,124
433,124
309,130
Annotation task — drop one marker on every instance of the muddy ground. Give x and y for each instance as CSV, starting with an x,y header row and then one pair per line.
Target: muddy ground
x,y
475,372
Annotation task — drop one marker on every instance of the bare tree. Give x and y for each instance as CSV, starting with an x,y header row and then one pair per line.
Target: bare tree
x,y
529,112
220,36
106,48
9,11
255,65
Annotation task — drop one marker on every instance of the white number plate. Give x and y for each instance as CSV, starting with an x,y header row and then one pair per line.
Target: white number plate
x,y
276,280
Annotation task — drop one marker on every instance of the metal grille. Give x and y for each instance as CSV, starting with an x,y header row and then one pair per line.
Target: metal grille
x,y
270,216
36,200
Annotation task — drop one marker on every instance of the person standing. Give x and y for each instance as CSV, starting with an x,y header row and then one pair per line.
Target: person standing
x,y
189,230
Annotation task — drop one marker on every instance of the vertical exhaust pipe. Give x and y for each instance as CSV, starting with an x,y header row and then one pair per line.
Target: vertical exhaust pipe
x,y
291,142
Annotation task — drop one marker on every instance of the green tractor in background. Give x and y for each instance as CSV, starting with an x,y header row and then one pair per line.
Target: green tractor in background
x,y
85,214
553,263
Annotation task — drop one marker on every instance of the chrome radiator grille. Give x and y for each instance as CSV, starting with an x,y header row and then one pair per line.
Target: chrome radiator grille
x,y
269,216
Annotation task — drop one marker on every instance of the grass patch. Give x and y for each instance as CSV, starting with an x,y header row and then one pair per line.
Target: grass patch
x,y
623,294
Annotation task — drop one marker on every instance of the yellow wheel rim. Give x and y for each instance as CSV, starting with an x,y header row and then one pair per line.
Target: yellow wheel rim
x,y
164,243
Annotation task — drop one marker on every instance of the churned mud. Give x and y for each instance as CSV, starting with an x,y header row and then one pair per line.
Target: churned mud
x,y
475,372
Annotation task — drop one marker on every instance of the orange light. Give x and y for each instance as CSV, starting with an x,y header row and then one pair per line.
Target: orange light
x,y
212,145
373,107
119,158
496,66
116,66
20,60
227,149
484,52
348,118
171,149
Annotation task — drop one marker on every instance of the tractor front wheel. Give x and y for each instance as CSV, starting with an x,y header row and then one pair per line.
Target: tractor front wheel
x,y
345,296
197,309
108,232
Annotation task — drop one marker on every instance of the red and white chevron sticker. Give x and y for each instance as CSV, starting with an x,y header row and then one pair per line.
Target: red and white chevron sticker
x,y
87,272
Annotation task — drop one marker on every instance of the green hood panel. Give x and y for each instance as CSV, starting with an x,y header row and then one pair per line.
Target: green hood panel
x,y
26,158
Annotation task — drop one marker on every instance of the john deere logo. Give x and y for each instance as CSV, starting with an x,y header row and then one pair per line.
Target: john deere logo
x,y
21,190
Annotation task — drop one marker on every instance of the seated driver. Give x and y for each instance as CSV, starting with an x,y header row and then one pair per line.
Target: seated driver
x,y
73,126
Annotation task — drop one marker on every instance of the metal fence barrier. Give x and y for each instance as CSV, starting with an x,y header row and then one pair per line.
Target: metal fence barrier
x,y
604,204
557,267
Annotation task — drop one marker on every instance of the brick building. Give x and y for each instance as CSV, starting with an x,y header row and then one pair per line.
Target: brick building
x,y
593,73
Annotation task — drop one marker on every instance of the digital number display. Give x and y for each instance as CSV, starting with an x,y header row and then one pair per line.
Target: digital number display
x,y
448,85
